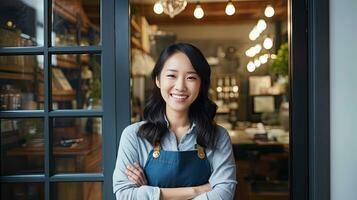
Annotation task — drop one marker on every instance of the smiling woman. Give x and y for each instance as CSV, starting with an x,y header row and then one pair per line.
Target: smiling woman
x,y
178,151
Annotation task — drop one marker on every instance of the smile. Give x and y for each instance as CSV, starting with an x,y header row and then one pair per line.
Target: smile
x,y
179,97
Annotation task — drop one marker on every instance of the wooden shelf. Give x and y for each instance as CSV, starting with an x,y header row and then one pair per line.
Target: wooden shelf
x,y
64,62
17,68
60,96
134,25
135,43
16,76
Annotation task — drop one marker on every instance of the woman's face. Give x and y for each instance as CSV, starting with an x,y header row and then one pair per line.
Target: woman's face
x,y
179,83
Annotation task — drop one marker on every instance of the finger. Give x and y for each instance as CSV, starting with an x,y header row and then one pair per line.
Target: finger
x,y
137,173
133,180
133,177
140,169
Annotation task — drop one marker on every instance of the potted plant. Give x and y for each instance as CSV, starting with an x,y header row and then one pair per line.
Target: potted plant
x,y
280,68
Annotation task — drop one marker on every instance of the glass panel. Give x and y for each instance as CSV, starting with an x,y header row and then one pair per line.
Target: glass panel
x,y
21,80
78,190
22,146
76,81
76,23
21,23
77,144
22,191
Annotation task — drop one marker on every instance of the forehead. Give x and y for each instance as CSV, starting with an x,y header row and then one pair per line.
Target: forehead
x,y
178,62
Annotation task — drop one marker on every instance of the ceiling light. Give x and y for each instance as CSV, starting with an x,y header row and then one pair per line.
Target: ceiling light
x,y
173,7
230,9
261,25
198,13
254,34
263,58
257,63
269,11
250,67
158,9
268,43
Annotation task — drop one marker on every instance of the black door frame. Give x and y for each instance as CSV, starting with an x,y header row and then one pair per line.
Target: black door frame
x,y
310,100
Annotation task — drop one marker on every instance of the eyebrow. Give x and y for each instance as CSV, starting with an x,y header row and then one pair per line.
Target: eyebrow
x,y
174,70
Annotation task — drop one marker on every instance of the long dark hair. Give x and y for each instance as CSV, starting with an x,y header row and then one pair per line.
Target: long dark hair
x,y
201,111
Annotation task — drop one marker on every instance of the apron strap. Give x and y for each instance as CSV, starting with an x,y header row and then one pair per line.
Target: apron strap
x,y
156,152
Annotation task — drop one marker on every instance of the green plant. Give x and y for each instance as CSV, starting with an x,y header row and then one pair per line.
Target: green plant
x,y
280,66
96,82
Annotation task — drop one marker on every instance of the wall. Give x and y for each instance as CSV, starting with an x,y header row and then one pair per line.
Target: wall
x,y
343,44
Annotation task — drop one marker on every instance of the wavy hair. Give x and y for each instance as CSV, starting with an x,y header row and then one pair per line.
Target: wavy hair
x,y
202,111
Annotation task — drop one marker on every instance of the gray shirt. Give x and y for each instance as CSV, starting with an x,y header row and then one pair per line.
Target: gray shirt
x,y
133,148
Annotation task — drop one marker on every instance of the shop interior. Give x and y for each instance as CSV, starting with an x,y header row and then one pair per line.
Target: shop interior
x,y
245,43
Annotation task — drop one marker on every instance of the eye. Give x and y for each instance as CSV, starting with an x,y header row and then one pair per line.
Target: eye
x,y
192,78
170,76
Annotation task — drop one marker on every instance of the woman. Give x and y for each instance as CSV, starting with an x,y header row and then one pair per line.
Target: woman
x,y
178,152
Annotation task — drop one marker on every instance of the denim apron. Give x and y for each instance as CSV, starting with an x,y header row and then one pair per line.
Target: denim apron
x,y
169,169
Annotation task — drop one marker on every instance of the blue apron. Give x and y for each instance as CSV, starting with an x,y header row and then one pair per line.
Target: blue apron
x,y
169,169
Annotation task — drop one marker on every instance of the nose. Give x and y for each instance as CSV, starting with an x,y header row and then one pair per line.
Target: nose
x,y
180,84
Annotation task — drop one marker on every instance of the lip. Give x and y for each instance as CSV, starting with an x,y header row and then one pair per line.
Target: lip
x,y
179,97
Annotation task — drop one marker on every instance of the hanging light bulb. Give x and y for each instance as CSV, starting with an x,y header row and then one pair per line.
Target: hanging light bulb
x,y
158,9
261,25
263,59
268,43
198,13
257,48
257,62
230,9
250,67
269,11
254,34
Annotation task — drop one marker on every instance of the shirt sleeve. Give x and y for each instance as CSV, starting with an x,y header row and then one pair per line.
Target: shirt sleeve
x,y
128,153
223,177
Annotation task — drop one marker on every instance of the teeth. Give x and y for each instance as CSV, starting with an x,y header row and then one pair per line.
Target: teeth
x,y
178,96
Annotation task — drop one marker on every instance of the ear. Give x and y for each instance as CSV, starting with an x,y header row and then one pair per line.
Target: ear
x,y
157,82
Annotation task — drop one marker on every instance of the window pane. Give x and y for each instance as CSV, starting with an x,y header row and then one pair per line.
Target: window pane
x,y
77,144
76,23
23,191
21,23
78,190
21,80
22,146
76,81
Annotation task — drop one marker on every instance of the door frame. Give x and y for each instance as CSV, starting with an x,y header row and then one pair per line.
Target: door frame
x,y
309,161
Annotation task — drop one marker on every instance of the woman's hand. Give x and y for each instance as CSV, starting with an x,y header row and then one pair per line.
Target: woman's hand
x,y
136,174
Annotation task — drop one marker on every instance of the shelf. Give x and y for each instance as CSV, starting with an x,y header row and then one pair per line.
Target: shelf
x,y
17,68
16,76
136,43
64,62
66,13
60,96
135,26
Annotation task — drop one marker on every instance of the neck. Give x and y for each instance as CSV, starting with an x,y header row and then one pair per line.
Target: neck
x,y
177,120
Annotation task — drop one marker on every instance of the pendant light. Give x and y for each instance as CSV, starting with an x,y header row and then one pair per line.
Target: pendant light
x,y
198,13
268,43
158,9
230,9
269,11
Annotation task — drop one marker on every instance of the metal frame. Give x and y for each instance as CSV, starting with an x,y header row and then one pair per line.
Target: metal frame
x,y
298,109
319,99
107,113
